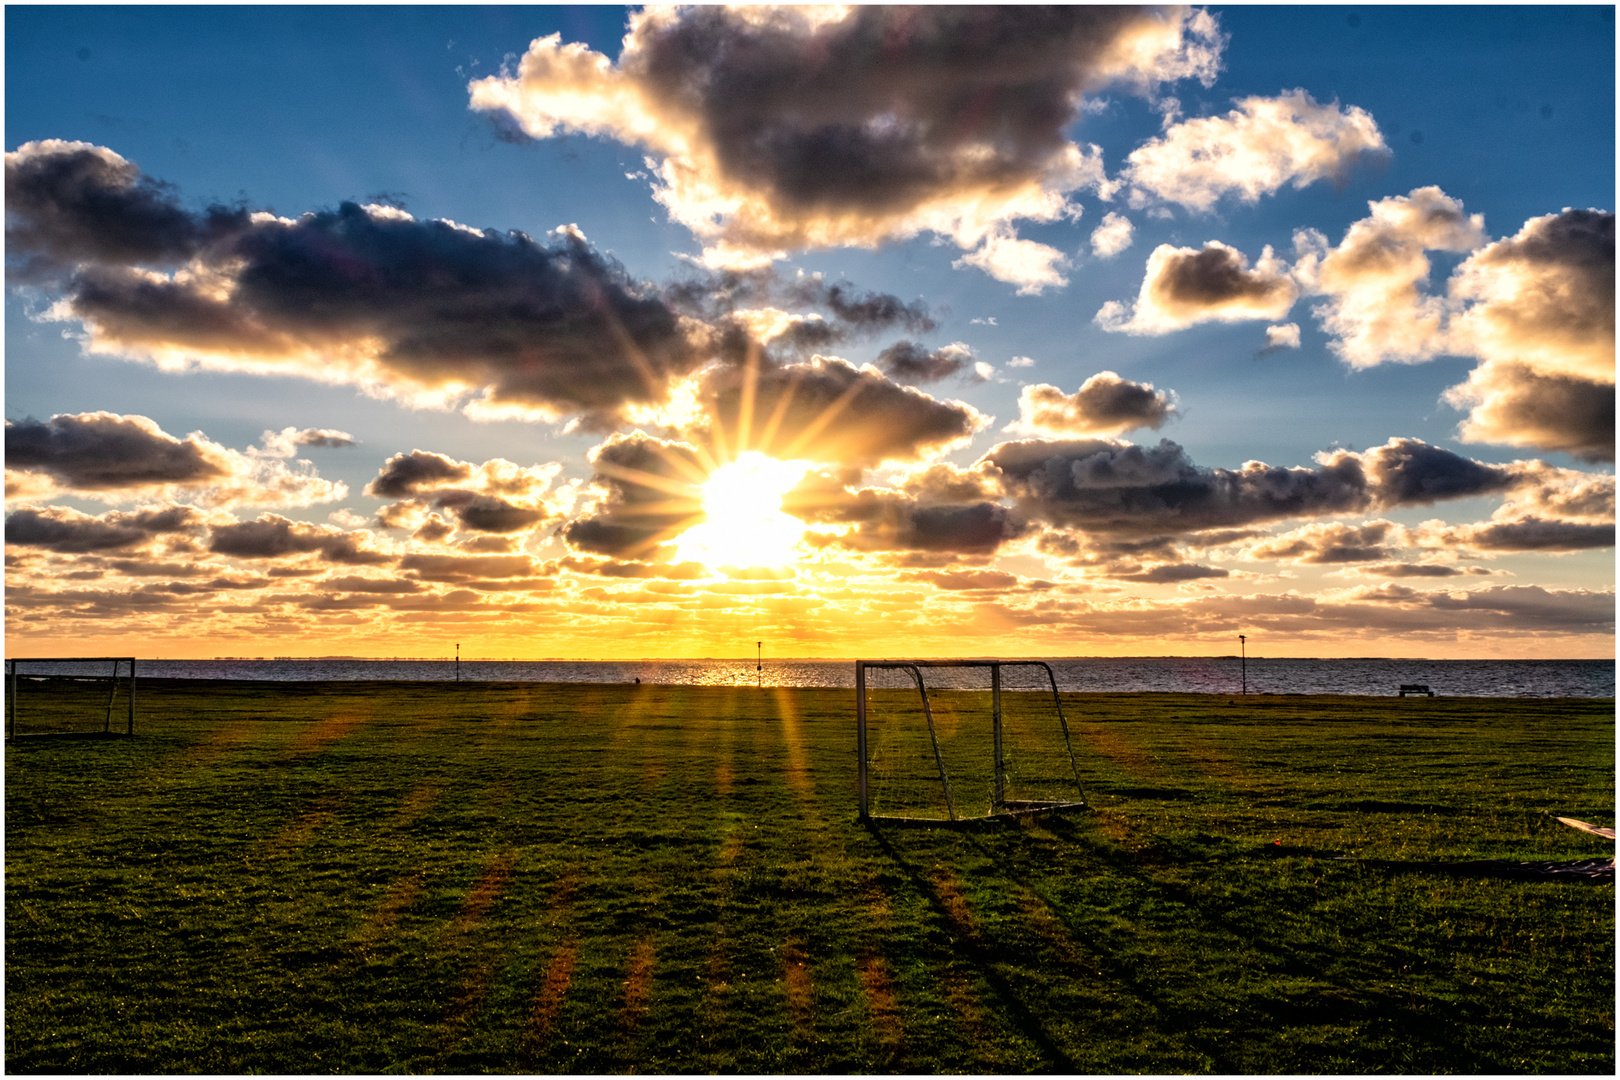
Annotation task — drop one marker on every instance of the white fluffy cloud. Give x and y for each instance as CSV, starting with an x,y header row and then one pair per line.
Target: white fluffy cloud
x,y
1113,236
1252,151
1377,306
1536,308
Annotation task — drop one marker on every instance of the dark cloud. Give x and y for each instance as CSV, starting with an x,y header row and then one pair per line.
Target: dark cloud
x,y
366,294
68,531
322,437
648,495
1111,487
829,410
69,202
891,520
1517,405
1404,570
1105,404
906,361
272,536
1410,472
1184,286
1529,534
486,513
851,129
103,451
848,312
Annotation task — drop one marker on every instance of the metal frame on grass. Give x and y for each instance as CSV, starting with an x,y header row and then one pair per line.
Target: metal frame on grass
x,y
1001,805
11,687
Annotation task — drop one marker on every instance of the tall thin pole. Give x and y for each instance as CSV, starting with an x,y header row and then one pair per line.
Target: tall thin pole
x,y
458,661
759,664
1243,644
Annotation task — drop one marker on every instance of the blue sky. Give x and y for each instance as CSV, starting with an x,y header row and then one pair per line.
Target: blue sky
x,y
1490,540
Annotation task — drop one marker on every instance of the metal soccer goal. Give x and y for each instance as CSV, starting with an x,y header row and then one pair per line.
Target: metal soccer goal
x,y
70,695
1026,766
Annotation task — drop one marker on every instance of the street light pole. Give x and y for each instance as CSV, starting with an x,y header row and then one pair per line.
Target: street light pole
x,y
458,661
1243,645
759,664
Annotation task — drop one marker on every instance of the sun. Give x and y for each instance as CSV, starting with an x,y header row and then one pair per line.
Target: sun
x,y
744,526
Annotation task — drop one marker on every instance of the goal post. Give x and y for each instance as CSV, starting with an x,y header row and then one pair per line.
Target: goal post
x,y
1000,803
75,702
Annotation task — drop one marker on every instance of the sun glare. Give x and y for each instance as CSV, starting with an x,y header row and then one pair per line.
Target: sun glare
x,y
744,525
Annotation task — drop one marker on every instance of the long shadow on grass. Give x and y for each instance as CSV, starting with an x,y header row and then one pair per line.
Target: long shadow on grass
x,y
1180,1020
983,957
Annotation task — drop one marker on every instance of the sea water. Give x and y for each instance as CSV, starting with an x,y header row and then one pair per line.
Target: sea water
x,y
1172,674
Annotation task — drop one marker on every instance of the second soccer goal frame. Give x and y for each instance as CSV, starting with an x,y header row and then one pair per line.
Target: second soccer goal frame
x,y
1000,804
65,697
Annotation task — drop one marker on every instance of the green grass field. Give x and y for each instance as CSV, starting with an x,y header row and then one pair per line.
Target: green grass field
x,y
414,877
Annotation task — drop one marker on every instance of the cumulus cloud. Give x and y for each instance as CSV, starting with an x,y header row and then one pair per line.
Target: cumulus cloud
x,y
1185,286
1536,309
71,202
272,536
68,531
1032,266
1527,533
429,311
285,443
1281,337
1326,543
495,497
771,130
1377,307
1540,316
1105,404
103,451
924,519
104,455
906,361
1253,150
1113,487
829,410
1113,236
747,308
645,494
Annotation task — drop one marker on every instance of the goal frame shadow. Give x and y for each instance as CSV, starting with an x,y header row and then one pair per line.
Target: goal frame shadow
x,y
1001,806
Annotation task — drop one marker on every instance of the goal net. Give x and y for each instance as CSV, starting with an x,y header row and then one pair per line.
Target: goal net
x,y
70,696
952,740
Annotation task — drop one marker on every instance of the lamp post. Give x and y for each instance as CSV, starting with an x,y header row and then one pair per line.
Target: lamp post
x,y
458,661
759,664
1243,645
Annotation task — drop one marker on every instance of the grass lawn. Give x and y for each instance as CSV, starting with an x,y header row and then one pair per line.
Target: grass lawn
x,y
417,877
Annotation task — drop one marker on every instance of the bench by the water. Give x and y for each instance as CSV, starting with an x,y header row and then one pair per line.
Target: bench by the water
x,y
1415,688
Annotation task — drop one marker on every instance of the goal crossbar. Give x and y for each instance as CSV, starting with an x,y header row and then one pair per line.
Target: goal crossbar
x,y
11,687
1000,804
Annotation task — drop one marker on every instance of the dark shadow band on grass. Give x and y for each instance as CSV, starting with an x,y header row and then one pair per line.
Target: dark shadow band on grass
x,y
1580,871
1027,1023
